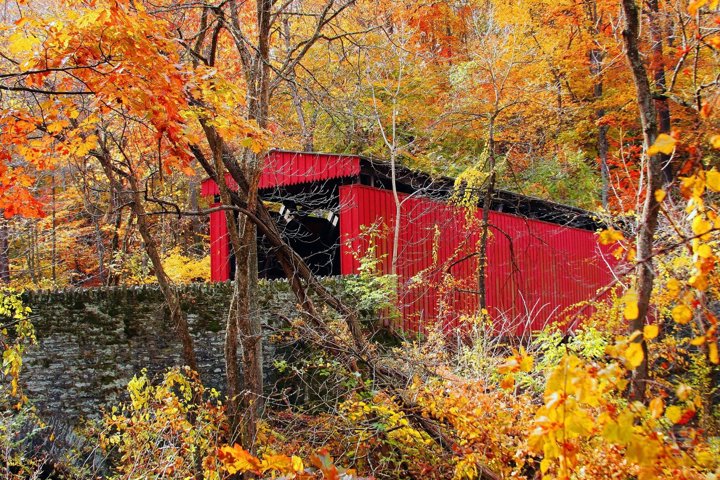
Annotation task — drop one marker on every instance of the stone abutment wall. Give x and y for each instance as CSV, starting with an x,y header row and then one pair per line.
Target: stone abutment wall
x,y
92,341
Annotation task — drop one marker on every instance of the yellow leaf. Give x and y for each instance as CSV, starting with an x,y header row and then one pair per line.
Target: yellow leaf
x,y
673,286
508,382
682,314
697,341
280,463
638,451
634,354
631,311
673,413
297,464
700,226
56,127
713,353
715,141
619,432
705,458
526,363
615,432
660,195
704,251
695,5
664,143
650,331
19,43
610,236
699,282
712,179
545,465
656,407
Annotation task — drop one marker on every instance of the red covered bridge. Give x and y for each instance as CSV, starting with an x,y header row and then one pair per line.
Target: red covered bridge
x,y
542,256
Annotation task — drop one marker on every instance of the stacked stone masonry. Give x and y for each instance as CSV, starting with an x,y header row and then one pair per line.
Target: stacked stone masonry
x,y
92,341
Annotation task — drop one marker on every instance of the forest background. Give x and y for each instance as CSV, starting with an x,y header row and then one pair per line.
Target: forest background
x,y
113,112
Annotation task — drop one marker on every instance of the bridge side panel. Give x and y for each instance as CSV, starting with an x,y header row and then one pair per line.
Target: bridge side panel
x,y
536,270
219,247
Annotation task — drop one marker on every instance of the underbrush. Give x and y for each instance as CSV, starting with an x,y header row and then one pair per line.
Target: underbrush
x,y
553,406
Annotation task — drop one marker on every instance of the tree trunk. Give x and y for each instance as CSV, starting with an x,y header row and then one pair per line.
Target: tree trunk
x,y
244,403
256,69
116,214
193,240
232,373
596,58
487,205
250,330
53,232
257,75
649,216
4,250
398,207
662,105
100,247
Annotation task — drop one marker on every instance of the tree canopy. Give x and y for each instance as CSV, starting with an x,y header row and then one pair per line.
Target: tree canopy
x,y
112,112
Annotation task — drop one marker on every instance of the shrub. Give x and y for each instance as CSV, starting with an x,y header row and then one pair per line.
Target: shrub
x,y
168,430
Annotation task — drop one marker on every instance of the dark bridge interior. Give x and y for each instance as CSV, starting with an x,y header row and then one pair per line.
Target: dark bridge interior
x,y
314,238
307,216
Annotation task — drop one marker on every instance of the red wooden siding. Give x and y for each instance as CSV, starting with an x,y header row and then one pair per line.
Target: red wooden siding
x,y
209,188
219,247
291,168
535,269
